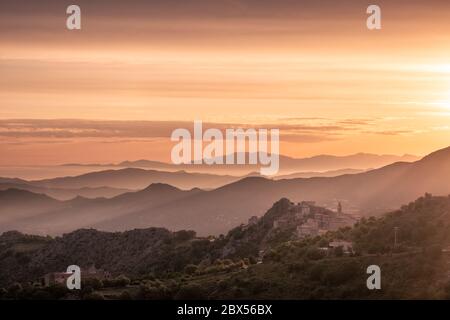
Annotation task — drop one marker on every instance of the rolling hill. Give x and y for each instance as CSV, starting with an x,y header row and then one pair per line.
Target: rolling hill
x,y
66,194
135,178
218,210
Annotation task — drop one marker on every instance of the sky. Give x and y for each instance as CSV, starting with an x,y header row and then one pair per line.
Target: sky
x,y
115,89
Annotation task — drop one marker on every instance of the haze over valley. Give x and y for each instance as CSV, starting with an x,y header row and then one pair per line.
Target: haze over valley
x,y
124,199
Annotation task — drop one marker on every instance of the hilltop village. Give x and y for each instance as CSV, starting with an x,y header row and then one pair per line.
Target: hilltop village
x,y
286,221
309,220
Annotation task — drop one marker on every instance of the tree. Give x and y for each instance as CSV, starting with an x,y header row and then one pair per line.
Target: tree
x,y
94,283
94,296
338,251
191,292
122,281
3,292
15,290
125,295
184,235
190,269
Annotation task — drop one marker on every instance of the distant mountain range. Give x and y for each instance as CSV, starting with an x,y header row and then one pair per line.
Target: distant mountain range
x,y
65,193
218,210
136,178
311,174
111,183
288,165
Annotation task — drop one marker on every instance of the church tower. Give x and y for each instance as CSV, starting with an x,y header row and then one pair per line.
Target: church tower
x,y
339,209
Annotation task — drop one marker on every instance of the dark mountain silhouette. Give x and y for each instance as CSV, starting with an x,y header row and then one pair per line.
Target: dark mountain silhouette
x,y
369,193
135,178
216,211
54,217
12,180
66,194
22,197
17,204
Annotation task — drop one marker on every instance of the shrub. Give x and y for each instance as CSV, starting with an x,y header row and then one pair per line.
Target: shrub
x,y
191,292
94,296
190,269
125,295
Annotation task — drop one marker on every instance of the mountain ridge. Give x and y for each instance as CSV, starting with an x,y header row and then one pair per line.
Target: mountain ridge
x,y
218,210
288,165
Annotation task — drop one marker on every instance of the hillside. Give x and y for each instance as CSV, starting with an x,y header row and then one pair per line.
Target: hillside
x,y
141,251
17,204
368,193
66,194
56,217
162,264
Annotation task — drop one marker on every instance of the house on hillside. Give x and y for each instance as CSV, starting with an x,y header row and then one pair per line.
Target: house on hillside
x,y
347,246
282,222
309,229
61,277
55,278
303,208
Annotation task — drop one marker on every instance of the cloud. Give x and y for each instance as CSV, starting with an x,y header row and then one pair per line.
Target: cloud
x,y
126,131
357,122
34,142
391,132
305,138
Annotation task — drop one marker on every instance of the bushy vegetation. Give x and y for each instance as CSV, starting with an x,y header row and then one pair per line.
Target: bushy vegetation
x,y
158,264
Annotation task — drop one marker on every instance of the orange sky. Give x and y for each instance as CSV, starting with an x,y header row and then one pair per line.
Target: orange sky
x,y
310,68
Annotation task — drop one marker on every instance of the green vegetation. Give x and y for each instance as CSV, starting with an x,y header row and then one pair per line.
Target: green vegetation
x,y
407,244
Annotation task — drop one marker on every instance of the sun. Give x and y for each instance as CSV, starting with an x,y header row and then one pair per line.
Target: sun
x,y
441,104
445,104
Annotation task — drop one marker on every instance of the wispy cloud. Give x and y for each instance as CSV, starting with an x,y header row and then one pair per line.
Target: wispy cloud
x,y
129,130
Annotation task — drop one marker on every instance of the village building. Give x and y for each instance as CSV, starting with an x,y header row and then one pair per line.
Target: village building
x,y
282,222
308,229
321,220
310,220
55,278
61,277
347,246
